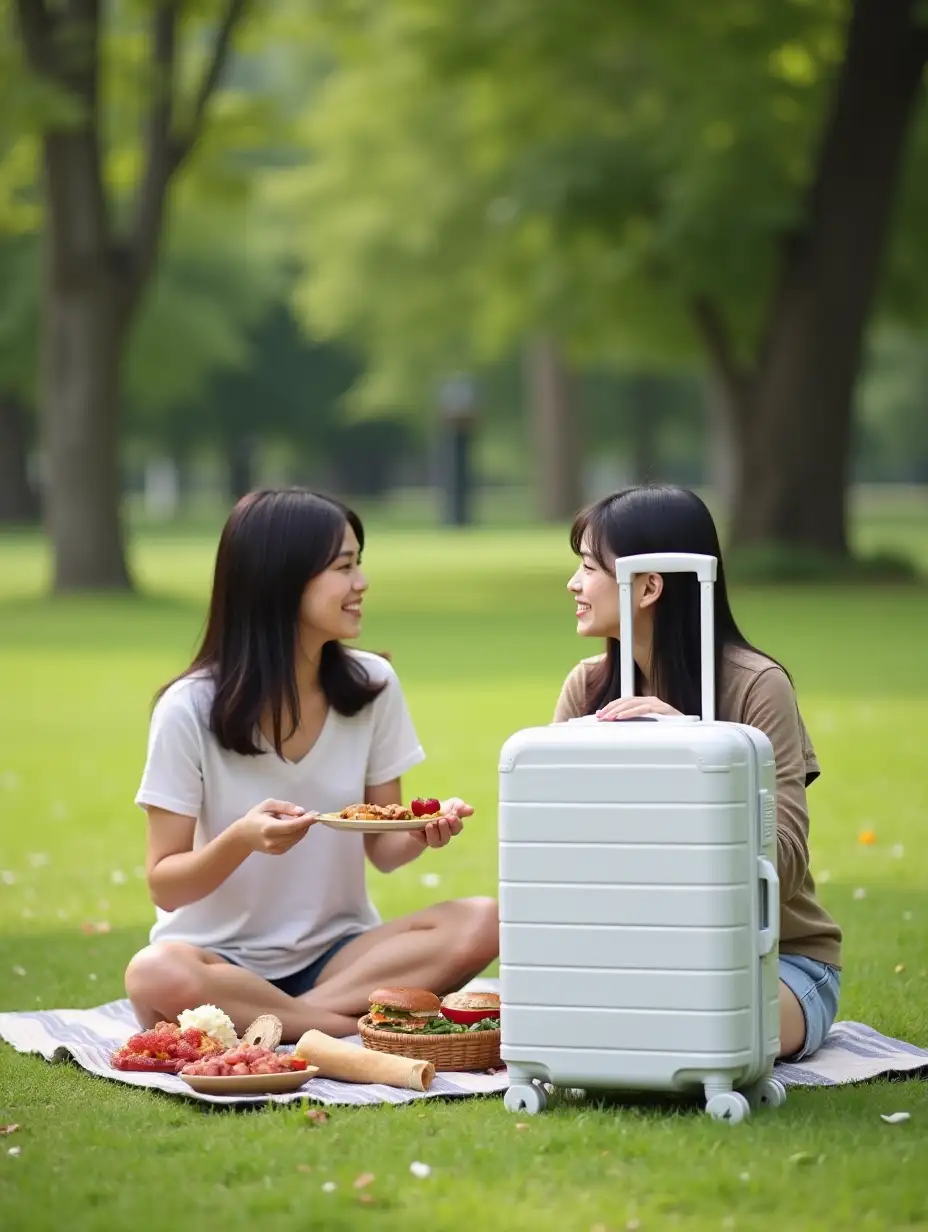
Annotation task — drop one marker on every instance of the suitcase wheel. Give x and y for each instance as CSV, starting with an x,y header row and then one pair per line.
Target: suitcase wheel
x,y
766,1093
729,1106
530,1099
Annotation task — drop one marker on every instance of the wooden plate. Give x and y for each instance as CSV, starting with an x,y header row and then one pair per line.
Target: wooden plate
x,y
251,1084
374,825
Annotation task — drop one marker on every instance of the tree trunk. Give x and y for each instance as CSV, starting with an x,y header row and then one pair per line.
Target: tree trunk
x,y
721,459
97,274
645,396
19,503
555,434
240,466
83,335
793,472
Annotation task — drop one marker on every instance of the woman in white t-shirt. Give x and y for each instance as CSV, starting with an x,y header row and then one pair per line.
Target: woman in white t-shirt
x,y
258,909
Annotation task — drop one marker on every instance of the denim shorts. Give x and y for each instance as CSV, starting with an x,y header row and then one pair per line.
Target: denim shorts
x,y
816,986
298,982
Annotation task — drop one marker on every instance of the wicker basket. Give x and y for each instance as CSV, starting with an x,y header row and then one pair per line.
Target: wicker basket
x,y
468,1050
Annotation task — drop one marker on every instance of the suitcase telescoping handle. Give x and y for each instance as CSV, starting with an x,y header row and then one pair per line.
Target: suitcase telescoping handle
x,y
705,567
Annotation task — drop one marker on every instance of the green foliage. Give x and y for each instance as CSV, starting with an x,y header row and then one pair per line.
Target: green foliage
x,y
893,409
225,253
223,268
484,170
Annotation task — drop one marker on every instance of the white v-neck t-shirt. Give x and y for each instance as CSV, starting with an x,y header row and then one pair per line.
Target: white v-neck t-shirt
x,y
276,914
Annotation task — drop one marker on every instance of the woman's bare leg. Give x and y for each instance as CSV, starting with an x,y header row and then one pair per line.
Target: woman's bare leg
x,y
439,948
168,977
792,1022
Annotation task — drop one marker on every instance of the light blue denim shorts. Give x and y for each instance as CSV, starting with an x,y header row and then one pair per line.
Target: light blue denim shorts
x,y
817,987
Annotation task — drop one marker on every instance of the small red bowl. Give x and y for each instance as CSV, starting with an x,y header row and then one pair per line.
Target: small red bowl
x,y
466,1017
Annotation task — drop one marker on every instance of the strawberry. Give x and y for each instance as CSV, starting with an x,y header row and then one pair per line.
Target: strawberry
x,y
424,808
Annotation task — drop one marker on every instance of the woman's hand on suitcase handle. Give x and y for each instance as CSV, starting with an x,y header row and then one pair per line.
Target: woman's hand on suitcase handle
x,y
440,832
633,708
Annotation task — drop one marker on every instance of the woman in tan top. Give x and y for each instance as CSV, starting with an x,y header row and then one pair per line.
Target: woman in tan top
x,y
751,688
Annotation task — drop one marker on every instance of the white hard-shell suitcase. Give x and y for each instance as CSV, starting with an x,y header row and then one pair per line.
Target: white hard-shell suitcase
x,y
639,898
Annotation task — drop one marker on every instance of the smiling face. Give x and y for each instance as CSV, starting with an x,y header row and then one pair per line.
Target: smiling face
x,y
596,594
331,606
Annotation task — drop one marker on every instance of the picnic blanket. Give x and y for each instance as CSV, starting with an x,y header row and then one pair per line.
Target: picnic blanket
x,y
853,1052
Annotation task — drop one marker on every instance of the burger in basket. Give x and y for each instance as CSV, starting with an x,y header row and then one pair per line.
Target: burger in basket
x,y
470,1007
411,1021
405,1009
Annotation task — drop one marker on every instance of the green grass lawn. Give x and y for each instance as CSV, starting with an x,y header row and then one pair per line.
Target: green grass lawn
x,y
481,633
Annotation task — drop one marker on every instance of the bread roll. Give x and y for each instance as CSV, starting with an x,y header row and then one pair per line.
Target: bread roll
x,y
349,1063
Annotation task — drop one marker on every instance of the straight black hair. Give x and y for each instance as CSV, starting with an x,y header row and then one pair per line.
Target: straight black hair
x,y
273,543
659,518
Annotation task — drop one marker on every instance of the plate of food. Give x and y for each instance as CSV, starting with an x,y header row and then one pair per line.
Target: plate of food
x,y
248,1069
166,1048
380,818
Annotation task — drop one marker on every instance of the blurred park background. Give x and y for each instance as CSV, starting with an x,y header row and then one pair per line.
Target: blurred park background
x,y
465,263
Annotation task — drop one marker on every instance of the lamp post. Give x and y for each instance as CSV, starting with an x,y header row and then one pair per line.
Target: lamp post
x,y
457,402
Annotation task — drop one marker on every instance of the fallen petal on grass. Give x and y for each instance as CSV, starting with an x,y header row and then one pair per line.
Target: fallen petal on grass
x,y
420,1170
362,1181
15,1150
317,1116
801,1158
329,1187
899,968
895,1118
8,1129
860,892
19,970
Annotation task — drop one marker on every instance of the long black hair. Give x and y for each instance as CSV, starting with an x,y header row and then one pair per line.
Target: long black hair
x,y
659,518
272,544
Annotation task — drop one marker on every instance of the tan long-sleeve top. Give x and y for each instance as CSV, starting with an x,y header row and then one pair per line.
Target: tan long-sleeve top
x,y
756,691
